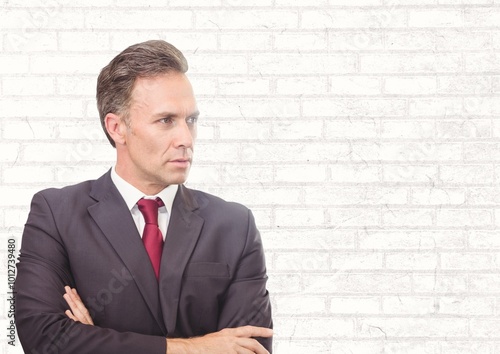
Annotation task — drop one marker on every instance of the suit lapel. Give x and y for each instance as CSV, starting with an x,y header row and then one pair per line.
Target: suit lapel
x,y
182,235
114,219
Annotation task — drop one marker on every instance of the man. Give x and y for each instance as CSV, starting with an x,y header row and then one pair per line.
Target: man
x,y
159,267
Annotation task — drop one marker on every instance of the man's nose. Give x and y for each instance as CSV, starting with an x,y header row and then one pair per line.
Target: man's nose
x,y
184,135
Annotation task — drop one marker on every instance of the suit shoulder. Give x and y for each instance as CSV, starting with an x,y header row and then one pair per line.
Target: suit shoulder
x,y
206,199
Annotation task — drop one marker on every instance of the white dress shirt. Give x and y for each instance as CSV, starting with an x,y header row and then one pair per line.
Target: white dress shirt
x,y
131,195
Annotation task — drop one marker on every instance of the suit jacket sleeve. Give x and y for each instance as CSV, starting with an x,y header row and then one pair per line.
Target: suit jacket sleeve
x,y
246,300
43,271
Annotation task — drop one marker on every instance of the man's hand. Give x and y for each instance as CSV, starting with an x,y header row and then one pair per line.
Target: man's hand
x,y
228,341
78,312
238,340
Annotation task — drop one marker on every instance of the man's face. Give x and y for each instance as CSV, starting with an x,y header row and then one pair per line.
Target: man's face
x,y
157,149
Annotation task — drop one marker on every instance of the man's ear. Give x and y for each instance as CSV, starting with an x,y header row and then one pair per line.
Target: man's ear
x,y
116,128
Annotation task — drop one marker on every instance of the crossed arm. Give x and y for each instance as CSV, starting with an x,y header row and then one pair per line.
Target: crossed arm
x,y
229,340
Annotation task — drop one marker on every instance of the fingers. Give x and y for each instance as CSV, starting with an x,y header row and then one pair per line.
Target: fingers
x,y
78,311
251,331
250,345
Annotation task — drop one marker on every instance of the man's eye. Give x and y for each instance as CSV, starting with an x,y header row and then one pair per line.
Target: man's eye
x,y
192,120
166,120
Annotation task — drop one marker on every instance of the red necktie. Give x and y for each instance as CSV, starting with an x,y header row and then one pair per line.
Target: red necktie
x,y
152,237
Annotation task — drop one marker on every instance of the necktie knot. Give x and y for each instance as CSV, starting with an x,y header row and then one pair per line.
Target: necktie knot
x,y
149,209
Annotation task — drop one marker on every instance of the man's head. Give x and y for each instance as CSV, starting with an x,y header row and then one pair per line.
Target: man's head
x,y
149,114
117,79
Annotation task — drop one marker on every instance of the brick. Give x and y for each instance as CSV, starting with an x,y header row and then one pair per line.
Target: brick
x,y
209,152
10,152
355,196
84,41
481,62
439,283
28,174
222,64
300,305
249,3
458,39
438,196
203,86
300,41
138,3
300,173
411,240
467,174
246,130
407,217
481,151
484,327
435,18
300,217
464,217
195,3
465,128
413,327
40,19
482,17
298,346
353,107
90,131
356,261
29,129
254,19
68,152
13,64
279,283
482,196
78,172
316,239
28,86
30,42
301,85
293,152
484,284
16,196
356,40
189,42
466,306
399,346
15,217
466,261
246,41
356,173
68,64
412,261
483,239
461,347
354,217
355,305
356,129
352,18
306,64
412,40
243,86
404,129
409,173
250,108
122,39
301,3
435,106
316,327
357,283
355,85
302,261
139,19
297,130
409,305
406,152
59,3
410,86
44,108
406,63
76,85
262,195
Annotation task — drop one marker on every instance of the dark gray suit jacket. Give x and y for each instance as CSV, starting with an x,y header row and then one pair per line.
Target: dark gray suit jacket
x,y
212,274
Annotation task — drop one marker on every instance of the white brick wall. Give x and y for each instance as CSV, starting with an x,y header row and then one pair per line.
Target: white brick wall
x,y
363,135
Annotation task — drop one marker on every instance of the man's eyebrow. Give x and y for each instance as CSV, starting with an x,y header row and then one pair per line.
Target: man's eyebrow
x,y
174,115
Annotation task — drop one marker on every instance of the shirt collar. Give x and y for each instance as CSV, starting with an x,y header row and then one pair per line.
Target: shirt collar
x,y
131,194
